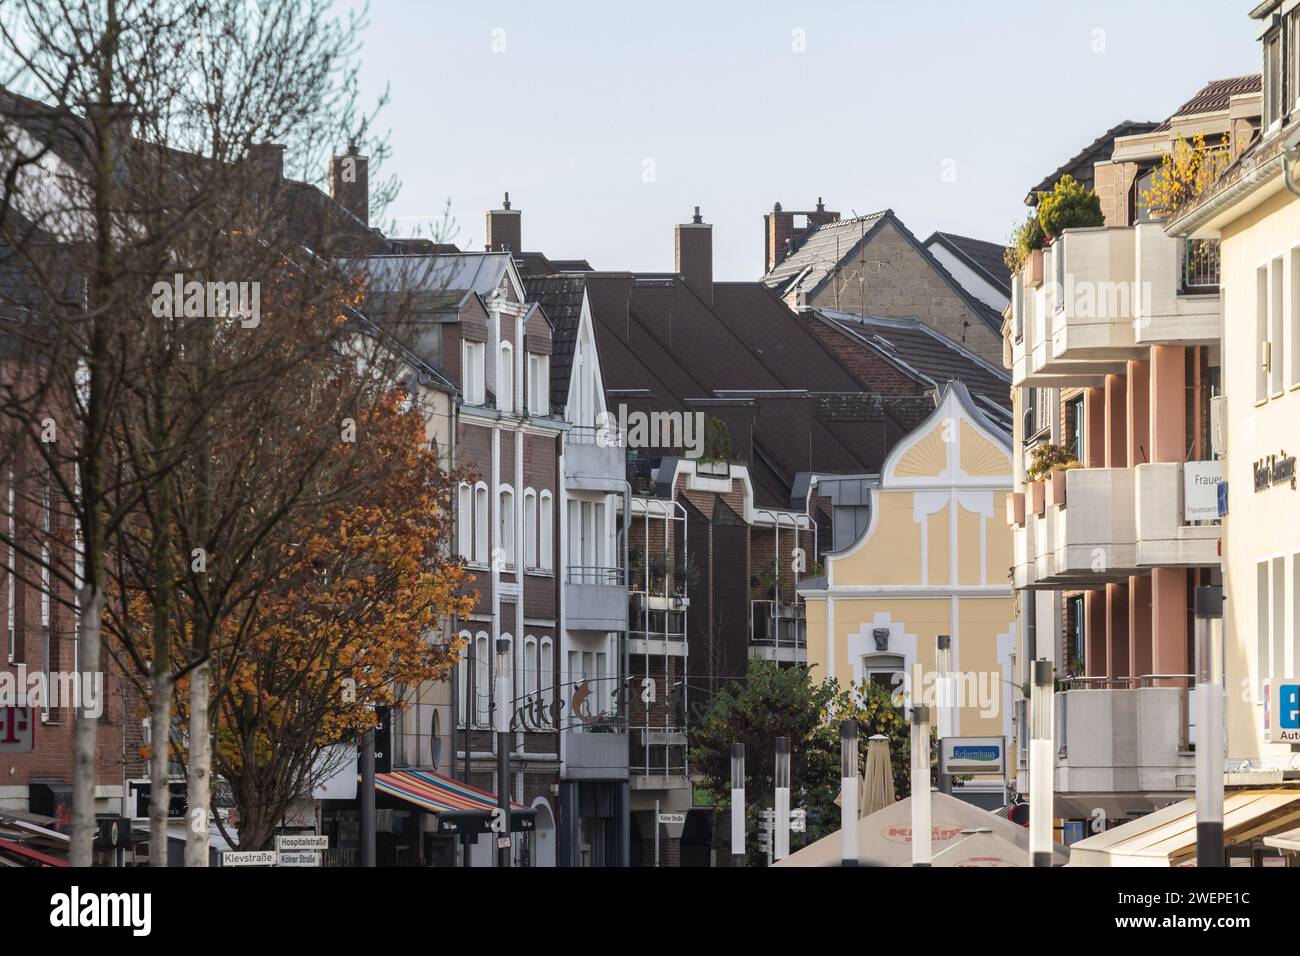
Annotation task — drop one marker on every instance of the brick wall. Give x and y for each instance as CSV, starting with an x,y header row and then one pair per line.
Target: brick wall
x,y
1114,185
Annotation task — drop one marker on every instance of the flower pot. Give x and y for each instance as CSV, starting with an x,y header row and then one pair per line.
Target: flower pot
x,y
1016,509
1056,488
1037,496
1033,272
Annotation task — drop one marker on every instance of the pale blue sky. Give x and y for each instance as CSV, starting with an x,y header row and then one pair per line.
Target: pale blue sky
x,y
563,103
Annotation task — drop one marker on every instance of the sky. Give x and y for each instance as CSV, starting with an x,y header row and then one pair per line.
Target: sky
x,y
609,122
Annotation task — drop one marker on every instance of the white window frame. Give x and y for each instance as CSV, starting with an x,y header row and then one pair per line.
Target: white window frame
x,y
1275,327
539,383
530,529
465,520
482,679
546,518
506,377
506,525
1261,332
482,519
546,680
474,372
462,680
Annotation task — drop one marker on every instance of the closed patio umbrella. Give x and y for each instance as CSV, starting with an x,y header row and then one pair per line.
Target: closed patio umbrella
x,y
878,779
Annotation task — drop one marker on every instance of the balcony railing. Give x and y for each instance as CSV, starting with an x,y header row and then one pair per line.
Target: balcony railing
x,y
778,627
585,574
1200,265
605,436
653,616
1184,683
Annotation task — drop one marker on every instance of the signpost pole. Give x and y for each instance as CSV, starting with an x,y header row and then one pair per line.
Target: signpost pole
x,y
921,785
368,799
504,745
656,834
1209,727
849,793
737,805
1041,758
946,711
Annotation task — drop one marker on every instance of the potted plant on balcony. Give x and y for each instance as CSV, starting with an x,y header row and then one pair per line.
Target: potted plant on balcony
x,y
1069,206
1047,468
1025,251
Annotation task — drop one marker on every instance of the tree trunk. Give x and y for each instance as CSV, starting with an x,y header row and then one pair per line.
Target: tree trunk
x,y
159,790
83,742
199,791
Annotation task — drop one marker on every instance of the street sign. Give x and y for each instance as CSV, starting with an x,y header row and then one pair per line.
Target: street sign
x,y
503,842
299,859
963,755
1282,710
249,858
1201,490
17,729
301,842
667,819
798,821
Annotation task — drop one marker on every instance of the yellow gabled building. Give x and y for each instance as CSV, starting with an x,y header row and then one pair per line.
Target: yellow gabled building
x,y
934,560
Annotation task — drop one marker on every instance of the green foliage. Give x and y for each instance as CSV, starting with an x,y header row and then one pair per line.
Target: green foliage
x,y
717,440
1069,206
1027,237
1047,458
776,702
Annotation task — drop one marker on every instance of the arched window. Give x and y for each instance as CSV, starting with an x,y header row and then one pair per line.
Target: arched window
x,y
480,523
530,667
544,534
462,679
546,683
465,520
530,528
506,525
508,701
506,379
482,679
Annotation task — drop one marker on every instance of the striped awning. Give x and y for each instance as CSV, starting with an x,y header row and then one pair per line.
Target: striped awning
x,y
436,793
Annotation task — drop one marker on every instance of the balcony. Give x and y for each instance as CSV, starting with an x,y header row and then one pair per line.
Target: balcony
x,y
1164,538
595,598
594,459
657,758
1179,282
1093,300
778,633
1123,744
1086,539
656,624
591,754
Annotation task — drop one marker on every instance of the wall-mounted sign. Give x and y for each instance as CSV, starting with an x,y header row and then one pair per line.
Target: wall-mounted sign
x,y
1282,710
1275,470
962,755
1201,481
17,729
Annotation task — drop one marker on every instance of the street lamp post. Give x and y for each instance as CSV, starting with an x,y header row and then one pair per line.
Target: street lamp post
x,y
849,792
946,709
921,785
504,745
1041,798
1209,727
781,838
737,804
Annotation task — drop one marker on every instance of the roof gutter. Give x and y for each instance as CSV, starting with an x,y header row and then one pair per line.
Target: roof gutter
x,y
1239,190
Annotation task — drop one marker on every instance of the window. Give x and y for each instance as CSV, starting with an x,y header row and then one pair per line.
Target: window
x,y
1261,334
1077,629
530,528
1074,427
544,536
506,526
462,679
883,670
45,586
474,356
539,384
465,520
546,679
1263,605
480,523
1272,78
531,673
1295,312
1275,326
1036,411
506,379
482,679
1278,618
1018,306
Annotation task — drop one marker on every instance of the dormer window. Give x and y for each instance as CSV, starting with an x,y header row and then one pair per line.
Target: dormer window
x,y
474,356
539,384
1274,77
506,379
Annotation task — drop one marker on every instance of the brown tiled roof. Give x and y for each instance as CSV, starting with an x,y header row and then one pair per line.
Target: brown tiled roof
x,y
1216,96
1080,164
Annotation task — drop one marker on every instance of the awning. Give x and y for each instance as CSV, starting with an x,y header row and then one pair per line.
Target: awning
x,y
1167,837
1289,841
436,793
30,855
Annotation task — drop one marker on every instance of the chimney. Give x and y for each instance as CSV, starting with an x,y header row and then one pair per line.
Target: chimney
x,y
694,256
504,228
268,160
350,182
785,231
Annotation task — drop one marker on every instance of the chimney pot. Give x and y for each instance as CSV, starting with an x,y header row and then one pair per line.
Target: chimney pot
x,y
504,228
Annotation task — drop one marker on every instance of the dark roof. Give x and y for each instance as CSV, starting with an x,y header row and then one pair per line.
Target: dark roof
x,y
537,264
929,356
827,246
746,356
1216,96
560,297
1080,165
822,249
986,258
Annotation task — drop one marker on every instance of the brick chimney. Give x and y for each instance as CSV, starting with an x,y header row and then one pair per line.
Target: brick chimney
x,y
504,228
268,160
693,246
350,182
783,232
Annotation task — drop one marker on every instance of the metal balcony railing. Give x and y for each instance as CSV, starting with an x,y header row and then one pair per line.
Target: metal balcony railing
x,y
1200,265
778,627
605,436
663,618
583,574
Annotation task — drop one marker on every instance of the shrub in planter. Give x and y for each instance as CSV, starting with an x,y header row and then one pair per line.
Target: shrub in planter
x,y
1069,206
1047,458
1026,239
